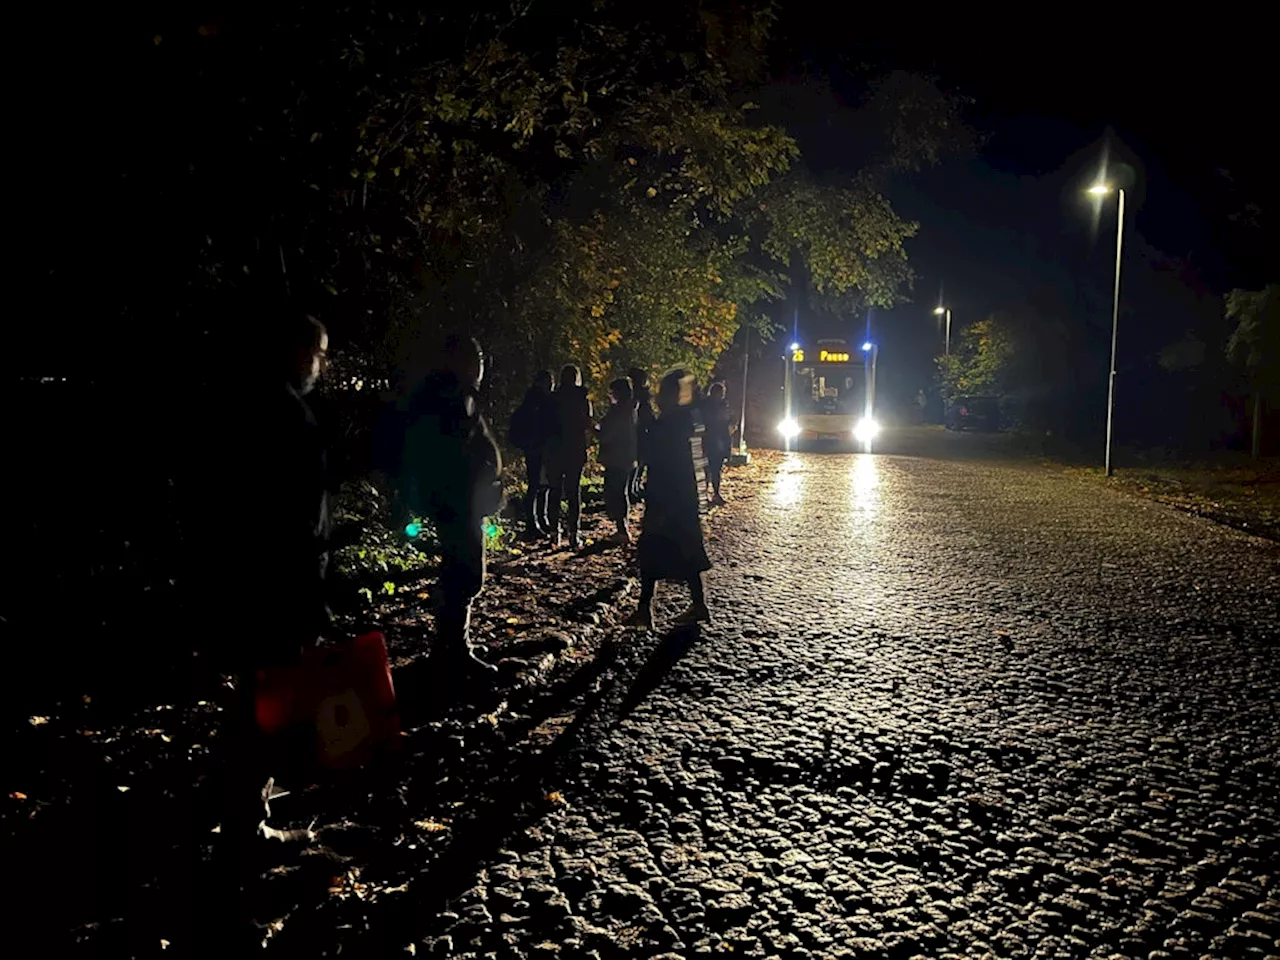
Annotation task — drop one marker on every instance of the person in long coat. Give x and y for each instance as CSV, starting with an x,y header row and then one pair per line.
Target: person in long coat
x,y
671,545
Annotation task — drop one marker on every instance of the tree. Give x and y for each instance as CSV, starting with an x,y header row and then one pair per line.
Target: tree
x,y
1020,355
981,363
1254,344
584,180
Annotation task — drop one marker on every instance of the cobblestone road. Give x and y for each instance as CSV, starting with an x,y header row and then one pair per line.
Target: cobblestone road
x,y
945,709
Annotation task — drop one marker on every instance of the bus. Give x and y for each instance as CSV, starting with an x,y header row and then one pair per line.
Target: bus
x,y
828,394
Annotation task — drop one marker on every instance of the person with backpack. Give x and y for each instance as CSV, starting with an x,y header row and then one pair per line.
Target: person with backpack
x,y
644,421
567,453
618,455
530,432
451,472
671,545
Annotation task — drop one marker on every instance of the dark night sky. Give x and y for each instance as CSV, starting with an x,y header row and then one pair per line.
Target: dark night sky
x,y
1011,225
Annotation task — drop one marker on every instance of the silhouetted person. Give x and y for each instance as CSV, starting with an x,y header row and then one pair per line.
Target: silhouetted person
x,y
644,420
716,442
671,545
296,486
618,455
452,472
530,432
567,452
270,600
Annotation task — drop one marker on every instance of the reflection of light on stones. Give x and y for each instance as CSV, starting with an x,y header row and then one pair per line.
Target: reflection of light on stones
x,y
789,483
866,483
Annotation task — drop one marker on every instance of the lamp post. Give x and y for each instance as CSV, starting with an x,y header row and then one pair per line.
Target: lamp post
x,y
789,363
945,311
742,457
1101,190
872,350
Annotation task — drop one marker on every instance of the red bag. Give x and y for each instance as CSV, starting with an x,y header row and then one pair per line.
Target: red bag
x,y
343,692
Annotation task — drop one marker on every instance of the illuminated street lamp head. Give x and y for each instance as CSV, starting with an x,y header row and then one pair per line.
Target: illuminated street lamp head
x,y
1100,189
866,347
939,310
795,346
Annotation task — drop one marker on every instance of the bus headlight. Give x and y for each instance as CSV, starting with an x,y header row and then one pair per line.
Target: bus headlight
x,y
789,429
866,430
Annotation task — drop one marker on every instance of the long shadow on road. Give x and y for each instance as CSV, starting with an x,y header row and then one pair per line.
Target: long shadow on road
x,y
520,788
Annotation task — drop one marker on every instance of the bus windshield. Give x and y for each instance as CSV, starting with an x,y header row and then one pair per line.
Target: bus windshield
x,y
833,391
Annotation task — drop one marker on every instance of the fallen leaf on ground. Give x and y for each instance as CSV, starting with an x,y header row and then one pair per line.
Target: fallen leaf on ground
x,y
305,835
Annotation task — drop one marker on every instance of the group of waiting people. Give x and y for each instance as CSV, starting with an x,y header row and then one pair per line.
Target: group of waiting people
x,y
646,456
437,453
438,456
554,428
448,468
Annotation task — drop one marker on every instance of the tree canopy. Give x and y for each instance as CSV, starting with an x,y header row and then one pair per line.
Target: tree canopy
x,y
1255,339
584,180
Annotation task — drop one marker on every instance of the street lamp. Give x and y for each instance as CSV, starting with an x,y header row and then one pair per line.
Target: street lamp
x,y
1100,190
789,428
866,429
945,311
742,456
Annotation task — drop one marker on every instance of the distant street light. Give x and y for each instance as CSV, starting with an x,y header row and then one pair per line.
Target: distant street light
x,y
1101,190
945,311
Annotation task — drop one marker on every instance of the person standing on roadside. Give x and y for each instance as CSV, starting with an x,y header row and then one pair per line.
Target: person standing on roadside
x,y
451,472
618,455
269,603
671,545
567,453
644,421
530,432
716,441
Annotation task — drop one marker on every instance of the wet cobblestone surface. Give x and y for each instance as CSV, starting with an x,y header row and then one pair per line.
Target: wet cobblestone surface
x,y
944,709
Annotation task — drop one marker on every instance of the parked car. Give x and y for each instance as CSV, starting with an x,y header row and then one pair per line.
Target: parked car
x,y
974,413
